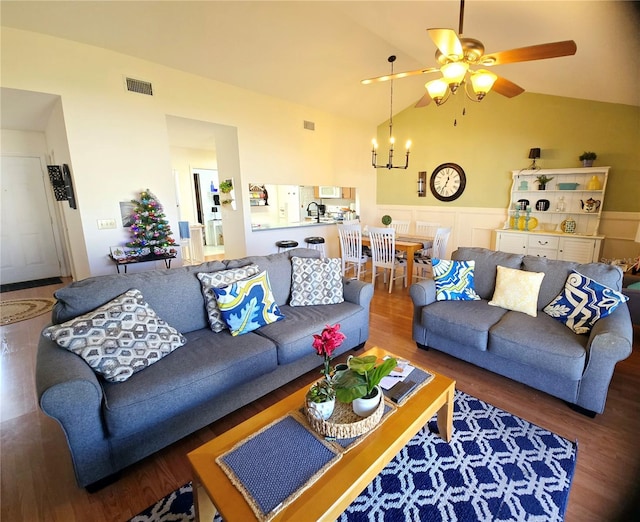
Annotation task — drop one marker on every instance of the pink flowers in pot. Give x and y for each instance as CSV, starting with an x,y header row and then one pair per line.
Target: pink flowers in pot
x,y
326,343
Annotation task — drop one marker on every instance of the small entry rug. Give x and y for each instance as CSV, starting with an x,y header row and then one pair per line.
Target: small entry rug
x,y
15,310
497,467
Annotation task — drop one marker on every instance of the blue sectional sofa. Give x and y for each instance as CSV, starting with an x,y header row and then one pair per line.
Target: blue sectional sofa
x,y
538,351
110,425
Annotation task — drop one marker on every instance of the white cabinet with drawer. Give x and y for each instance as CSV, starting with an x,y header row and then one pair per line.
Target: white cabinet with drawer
x,y
582,249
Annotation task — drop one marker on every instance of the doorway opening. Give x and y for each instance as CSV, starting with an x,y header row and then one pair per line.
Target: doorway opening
x,y
207,196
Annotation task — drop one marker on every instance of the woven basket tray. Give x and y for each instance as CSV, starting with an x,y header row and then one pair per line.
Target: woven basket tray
x,y
344,423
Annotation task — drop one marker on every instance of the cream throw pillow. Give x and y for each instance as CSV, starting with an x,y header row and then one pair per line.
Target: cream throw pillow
x,y
517,290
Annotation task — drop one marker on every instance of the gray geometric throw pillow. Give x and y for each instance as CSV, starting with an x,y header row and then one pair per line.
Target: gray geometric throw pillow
x,y
220,279
316,281
119,338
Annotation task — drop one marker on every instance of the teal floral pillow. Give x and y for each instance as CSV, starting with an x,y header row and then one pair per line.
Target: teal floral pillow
x,y
248,304
582,302
454,280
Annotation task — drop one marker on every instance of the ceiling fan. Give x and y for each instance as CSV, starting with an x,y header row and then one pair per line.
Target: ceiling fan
x,y
458,55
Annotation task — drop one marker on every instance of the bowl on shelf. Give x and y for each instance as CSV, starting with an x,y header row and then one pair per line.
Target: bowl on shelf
x,y
548,227
567,186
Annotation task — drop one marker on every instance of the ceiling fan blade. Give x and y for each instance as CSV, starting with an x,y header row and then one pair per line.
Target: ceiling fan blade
x,y
506,88
396,76
424,101
447,42
534,52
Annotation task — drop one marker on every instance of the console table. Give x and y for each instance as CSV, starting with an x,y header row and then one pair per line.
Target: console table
x,y
125,261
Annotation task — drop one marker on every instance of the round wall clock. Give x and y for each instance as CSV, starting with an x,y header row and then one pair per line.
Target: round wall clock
x,y
448,181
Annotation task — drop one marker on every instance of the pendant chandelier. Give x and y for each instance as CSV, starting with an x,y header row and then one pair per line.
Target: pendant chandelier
x,y
374,150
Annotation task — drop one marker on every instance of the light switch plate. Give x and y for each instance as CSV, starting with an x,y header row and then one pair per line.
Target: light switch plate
x,y
106,223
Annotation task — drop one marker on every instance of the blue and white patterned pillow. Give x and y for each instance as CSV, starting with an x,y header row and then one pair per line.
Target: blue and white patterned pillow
x,y
582,302
248,304
454,280
208,280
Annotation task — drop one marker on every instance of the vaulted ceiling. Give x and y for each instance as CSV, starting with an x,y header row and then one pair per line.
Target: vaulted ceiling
x,y
316,52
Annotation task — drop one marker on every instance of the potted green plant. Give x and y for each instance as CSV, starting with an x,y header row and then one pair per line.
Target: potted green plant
x,y
587,158
359,384
386,220
542,181
226,186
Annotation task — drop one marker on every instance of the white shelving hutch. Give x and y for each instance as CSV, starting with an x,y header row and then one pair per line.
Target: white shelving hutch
x,y
547,238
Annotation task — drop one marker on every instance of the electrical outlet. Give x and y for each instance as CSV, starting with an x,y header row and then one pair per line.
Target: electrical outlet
x,y
106,223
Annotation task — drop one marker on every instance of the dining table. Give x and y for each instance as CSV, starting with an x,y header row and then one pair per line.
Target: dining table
x,y
408,244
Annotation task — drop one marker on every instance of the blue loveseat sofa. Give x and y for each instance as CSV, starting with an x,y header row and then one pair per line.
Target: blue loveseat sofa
x,y
110,425
538,351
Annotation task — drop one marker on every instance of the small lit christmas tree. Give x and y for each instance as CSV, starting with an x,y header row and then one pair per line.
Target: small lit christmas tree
x,y
150,229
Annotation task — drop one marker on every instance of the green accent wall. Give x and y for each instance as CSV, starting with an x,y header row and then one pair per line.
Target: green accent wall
x,y
494,137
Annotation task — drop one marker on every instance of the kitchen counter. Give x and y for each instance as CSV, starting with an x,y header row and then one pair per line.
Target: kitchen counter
x,y
300,224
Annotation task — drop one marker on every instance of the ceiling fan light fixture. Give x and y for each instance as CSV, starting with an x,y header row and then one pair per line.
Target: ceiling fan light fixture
x,y
437,89
482,81
454,73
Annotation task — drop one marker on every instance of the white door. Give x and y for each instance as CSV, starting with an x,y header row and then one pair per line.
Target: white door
x,y
28,250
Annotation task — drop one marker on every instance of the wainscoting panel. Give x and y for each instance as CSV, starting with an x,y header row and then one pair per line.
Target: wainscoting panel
x,y
472,226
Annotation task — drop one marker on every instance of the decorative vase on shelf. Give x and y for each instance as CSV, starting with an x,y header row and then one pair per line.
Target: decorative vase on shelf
x,y
365,406
587,163
594,183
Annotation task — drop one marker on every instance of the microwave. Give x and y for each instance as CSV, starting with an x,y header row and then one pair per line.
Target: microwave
x,y
330,192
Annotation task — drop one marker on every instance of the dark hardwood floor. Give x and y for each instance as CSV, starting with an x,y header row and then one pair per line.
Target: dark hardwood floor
x,y
38,483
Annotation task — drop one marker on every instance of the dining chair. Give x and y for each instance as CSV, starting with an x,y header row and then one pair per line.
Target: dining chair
x,y
351,221
351,249
400,226
383,252
426,229
422,262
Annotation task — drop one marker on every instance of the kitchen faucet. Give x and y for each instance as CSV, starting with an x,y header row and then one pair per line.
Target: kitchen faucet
x,y
317,210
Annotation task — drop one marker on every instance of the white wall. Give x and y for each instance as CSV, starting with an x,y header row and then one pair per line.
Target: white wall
x,y
118,141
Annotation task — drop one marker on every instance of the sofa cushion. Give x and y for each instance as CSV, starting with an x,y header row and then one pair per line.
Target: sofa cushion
x,y
485,269
454,280
517,290
279,268
185,308
539,342
316,281
119,338
208,365
248,304
555,275
466,322
294,335
582,302
218,279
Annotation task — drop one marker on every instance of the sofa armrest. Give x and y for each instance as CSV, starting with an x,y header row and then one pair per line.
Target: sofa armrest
x,y
69,391
357,292
423,293
610,341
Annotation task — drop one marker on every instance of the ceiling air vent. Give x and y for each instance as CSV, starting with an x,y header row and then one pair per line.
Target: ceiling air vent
x,y
309,125
139,86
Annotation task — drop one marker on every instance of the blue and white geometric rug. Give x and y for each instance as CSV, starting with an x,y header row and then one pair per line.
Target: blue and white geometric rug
x,y
496,467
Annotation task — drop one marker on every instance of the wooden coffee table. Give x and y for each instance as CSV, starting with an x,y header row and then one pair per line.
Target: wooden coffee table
x,y
342,482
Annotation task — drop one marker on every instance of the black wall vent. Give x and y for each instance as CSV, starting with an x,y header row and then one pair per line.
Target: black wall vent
x,y
309,125
139,86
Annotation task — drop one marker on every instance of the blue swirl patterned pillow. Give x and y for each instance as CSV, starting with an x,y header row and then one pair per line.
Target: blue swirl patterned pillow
x,y
582,302
248,304
454,280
